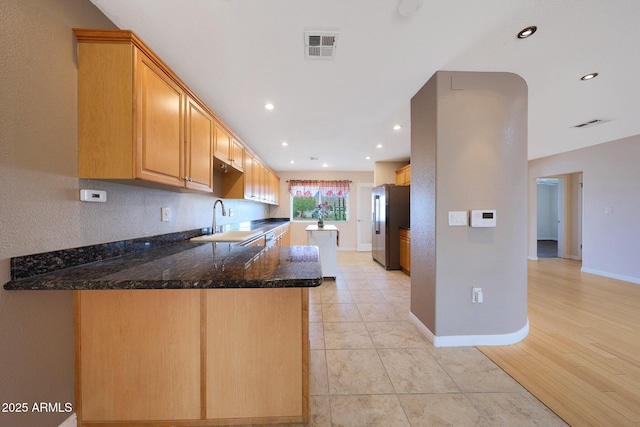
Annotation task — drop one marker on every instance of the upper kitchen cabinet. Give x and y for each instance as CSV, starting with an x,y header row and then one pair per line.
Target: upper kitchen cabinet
x,y
237,155
403,175
137,121
227,149
140,124
199,147
257,183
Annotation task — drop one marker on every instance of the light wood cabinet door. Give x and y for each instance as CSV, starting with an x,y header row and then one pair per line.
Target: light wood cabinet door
x,y
138,354
249,188
222,144
258,179
264,183
105,103
257,353
403,175
159,124
237,155
281,236
275,188
405,250
198,147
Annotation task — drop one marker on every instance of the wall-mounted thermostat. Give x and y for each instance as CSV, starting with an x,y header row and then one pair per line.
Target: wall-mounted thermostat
x,y
483,218
93,196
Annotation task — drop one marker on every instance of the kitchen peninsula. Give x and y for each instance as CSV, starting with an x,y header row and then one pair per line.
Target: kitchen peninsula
x,y
191,334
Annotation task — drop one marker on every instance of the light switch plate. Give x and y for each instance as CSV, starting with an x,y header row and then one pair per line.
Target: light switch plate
x,y
458,219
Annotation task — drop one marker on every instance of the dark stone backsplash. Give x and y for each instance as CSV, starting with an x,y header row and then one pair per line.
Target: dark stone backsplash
x,y
47,262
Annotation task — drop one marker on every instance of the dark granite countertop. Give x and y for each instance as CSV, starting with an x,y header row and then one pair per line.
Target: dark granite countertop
x,y
265,225
170,261
187,265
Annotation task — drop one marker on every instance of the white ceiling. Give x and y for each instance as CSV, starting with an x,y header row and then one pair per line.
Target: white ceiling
x,y
238,55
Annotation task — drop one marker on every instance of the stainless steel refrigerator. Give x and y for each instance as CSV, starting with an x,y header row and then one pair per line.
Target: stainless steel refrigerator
x,y
390,211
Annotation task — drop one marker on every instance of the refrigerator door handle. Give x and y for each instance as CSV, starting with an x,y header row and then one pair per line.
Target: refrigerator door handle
x,y
376,213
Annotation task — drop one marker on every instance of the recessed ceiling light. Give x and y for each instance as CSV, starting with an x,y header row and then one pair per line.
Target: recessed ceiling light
x,y
268,106
589,76
292,161
284,143
379,146
368,158
527,32
324,165
397,127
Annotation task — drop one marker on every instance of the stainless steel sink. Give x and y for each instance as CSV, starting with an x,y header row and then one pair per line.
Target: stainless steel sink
x,y
228,236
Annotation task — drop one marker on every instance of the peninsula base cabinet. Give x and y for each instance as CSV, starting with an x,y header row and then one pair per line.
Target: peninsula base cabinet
x,y
181,357
405,250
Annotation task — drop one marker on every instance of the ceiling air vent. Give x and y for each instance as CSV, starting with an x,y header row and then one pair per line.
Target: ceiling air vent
x,y
320,44
590,123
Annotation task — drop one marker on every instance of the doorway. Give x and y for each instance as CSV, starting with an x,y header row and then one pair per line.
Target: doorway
x,y
550,226
559,216
363,214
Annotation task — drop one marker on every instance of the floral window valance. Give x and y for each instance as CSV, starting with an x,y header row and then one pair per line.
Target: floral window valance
x,y
309,188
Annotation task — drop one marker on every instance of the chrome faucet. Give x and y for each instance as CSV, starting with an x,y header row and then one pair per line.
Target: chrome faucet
x,y
224,213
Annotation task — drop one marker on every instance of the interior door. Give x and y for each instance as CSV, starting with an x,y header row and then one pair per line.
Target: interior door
x,y
363,213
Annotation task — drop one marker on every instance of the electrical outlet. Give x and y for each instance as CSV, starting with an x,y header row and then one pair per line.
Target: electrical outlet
x,y
164,214
476,295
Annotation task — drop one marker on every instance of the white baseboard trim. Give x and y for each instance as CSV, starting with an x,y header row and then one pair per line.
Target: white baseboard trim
x,y
574,257
470,340
532,258
421,326
555,239
72,421
347,249
635,280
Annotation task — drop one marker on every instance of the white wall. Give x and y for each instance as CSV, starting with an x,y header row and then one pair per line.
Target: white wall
x,y
611,178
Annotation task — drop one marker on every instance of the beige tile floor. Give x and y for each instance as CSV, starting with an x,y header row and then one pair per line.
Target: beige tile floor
x,y
370,366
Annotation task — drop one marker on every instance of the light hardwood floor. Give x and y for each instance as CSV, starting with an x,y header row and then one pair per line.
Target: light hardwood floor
x,y
582,355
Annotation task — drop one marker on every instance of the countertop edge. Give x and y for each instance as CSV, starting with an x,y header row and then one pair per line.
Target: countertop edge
x,y
35,285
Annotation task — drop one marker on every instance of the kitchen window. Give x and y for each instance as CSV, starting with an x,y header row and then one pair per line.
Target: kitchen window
x,y
311,199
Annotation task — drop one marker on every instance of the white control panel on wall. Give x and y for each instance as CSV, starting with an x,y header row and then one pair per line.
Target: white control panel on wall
x,y
483,218
93,196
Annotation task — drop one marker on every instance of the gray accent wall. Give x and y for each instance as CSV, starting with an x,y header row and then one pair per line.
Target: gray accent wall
x,y
469,151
